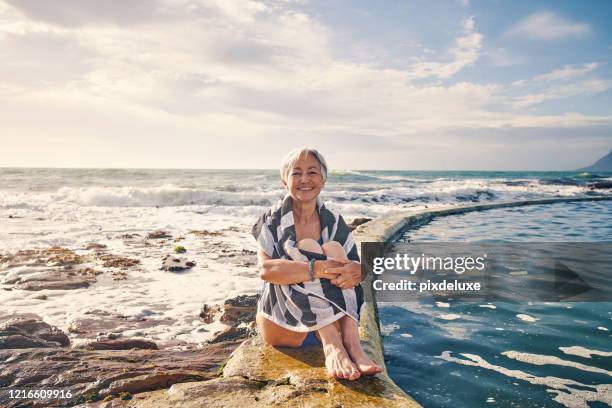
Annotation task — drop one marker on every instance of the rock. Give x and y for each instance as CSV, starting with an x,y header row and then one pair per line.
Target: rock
x,y
208,313
27,331
54,280
231,334
42,296
93,375
148,382
128,236
357,222
123,344
206,233
115,261
158,235
53,256
260,376
176,264
601,185
97,323
95,246
241,309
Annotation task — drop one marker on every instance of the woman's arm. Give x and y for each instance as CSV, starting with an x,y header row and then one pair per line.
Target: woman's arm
x,y
287,272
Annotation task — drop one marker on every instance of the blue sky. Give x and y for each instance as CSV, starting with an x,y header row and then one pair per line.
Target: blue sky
x,y
418,84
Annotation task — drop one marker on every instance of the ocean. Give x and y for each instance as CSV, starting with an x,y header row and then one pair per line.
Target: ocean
x,y
210,213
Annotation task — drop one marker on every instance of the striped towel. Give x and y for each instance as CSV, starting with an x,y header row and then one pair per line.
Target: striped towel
x,y
305,306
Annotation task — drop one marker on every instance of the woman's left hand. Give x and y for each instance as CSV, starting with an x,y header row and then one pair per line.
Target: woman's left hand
x,y
349,275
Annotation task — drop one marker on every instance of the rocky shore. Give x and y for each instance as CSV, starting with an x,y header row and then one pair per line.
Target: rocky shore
x,y
102,365
104,353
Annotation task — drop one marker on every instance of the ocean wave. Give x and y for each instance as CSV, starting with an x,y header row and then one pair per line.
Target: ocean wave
x,y
164,196
264,194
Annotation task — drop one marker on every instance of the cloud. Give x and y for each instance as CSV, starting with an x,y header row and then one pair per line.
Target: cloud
x,y
464,53
588,86
568,72
225,78
548,26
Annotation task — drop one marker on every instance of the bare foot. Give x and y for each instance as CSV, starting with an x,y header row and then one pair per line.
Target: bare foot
x,y
339,364
365,365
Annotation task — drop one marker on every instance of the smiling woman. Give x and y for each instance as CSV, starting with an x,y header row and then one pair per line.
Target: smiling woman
x,y
309,262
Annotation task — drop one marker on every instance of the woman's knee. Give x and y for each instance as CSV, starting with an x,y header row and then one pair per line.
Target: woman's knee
x,y
275,335
333,249
310,245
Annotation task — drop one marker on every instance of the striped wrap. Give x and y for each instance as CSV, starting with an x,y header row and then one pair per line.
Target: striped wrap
x,y
305,306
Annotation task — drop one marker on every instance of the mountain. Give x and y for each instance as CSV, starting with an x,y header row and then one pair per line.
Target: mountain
x,y
603,164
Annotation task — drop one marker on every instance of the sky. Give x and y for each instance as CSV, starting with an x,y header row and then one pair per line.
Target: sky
x,y
407,85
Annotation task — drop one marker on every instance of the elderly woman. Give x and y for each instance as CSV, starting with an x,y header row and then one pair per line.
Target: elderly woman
x,y
309,262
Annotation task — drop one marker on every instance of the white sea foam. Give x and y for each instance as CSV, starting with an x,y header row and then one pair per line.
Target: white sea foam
x,y
567,392
584,352
388,329
526,318
538,359
450,316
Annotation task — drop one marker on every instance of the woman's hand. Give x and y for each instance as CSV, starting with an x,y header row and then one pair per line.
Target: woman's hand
x,y
328,269
348,275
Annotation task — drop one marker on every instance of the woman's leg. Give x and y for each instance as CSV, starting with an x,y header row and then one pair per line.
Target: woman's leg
x,y
337,360
352,343
276,335
348,327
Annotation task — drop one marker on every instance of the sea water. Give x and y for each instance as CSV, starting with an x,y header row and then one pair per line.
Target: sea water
x,y
73,208
522,354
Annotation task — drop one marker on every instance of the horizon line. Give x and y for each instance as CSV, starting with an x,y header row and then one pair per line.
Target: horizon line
x,y
272,169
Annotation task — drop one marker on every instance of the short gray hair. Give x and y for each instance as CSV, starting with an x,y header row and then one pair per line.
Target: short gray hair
x,y
293,156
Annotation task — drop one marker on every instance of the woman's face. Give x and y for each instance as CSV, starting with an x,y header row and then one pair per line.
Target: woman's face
x,y
304,181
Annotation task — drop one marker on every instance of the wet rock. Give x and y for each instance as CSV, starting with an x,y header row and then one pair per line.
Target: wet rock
x,y
92,375
209,313
601,185
42,296
232,334
122,344
147,382
98,323
158,235
357,222
27,331
53,280
53,256
95,246
176,264
115,261
241,309
128,236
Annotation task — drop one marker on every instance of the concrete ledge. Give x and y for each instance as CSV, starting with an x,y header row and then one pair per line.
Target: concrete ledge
x,y
388,227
